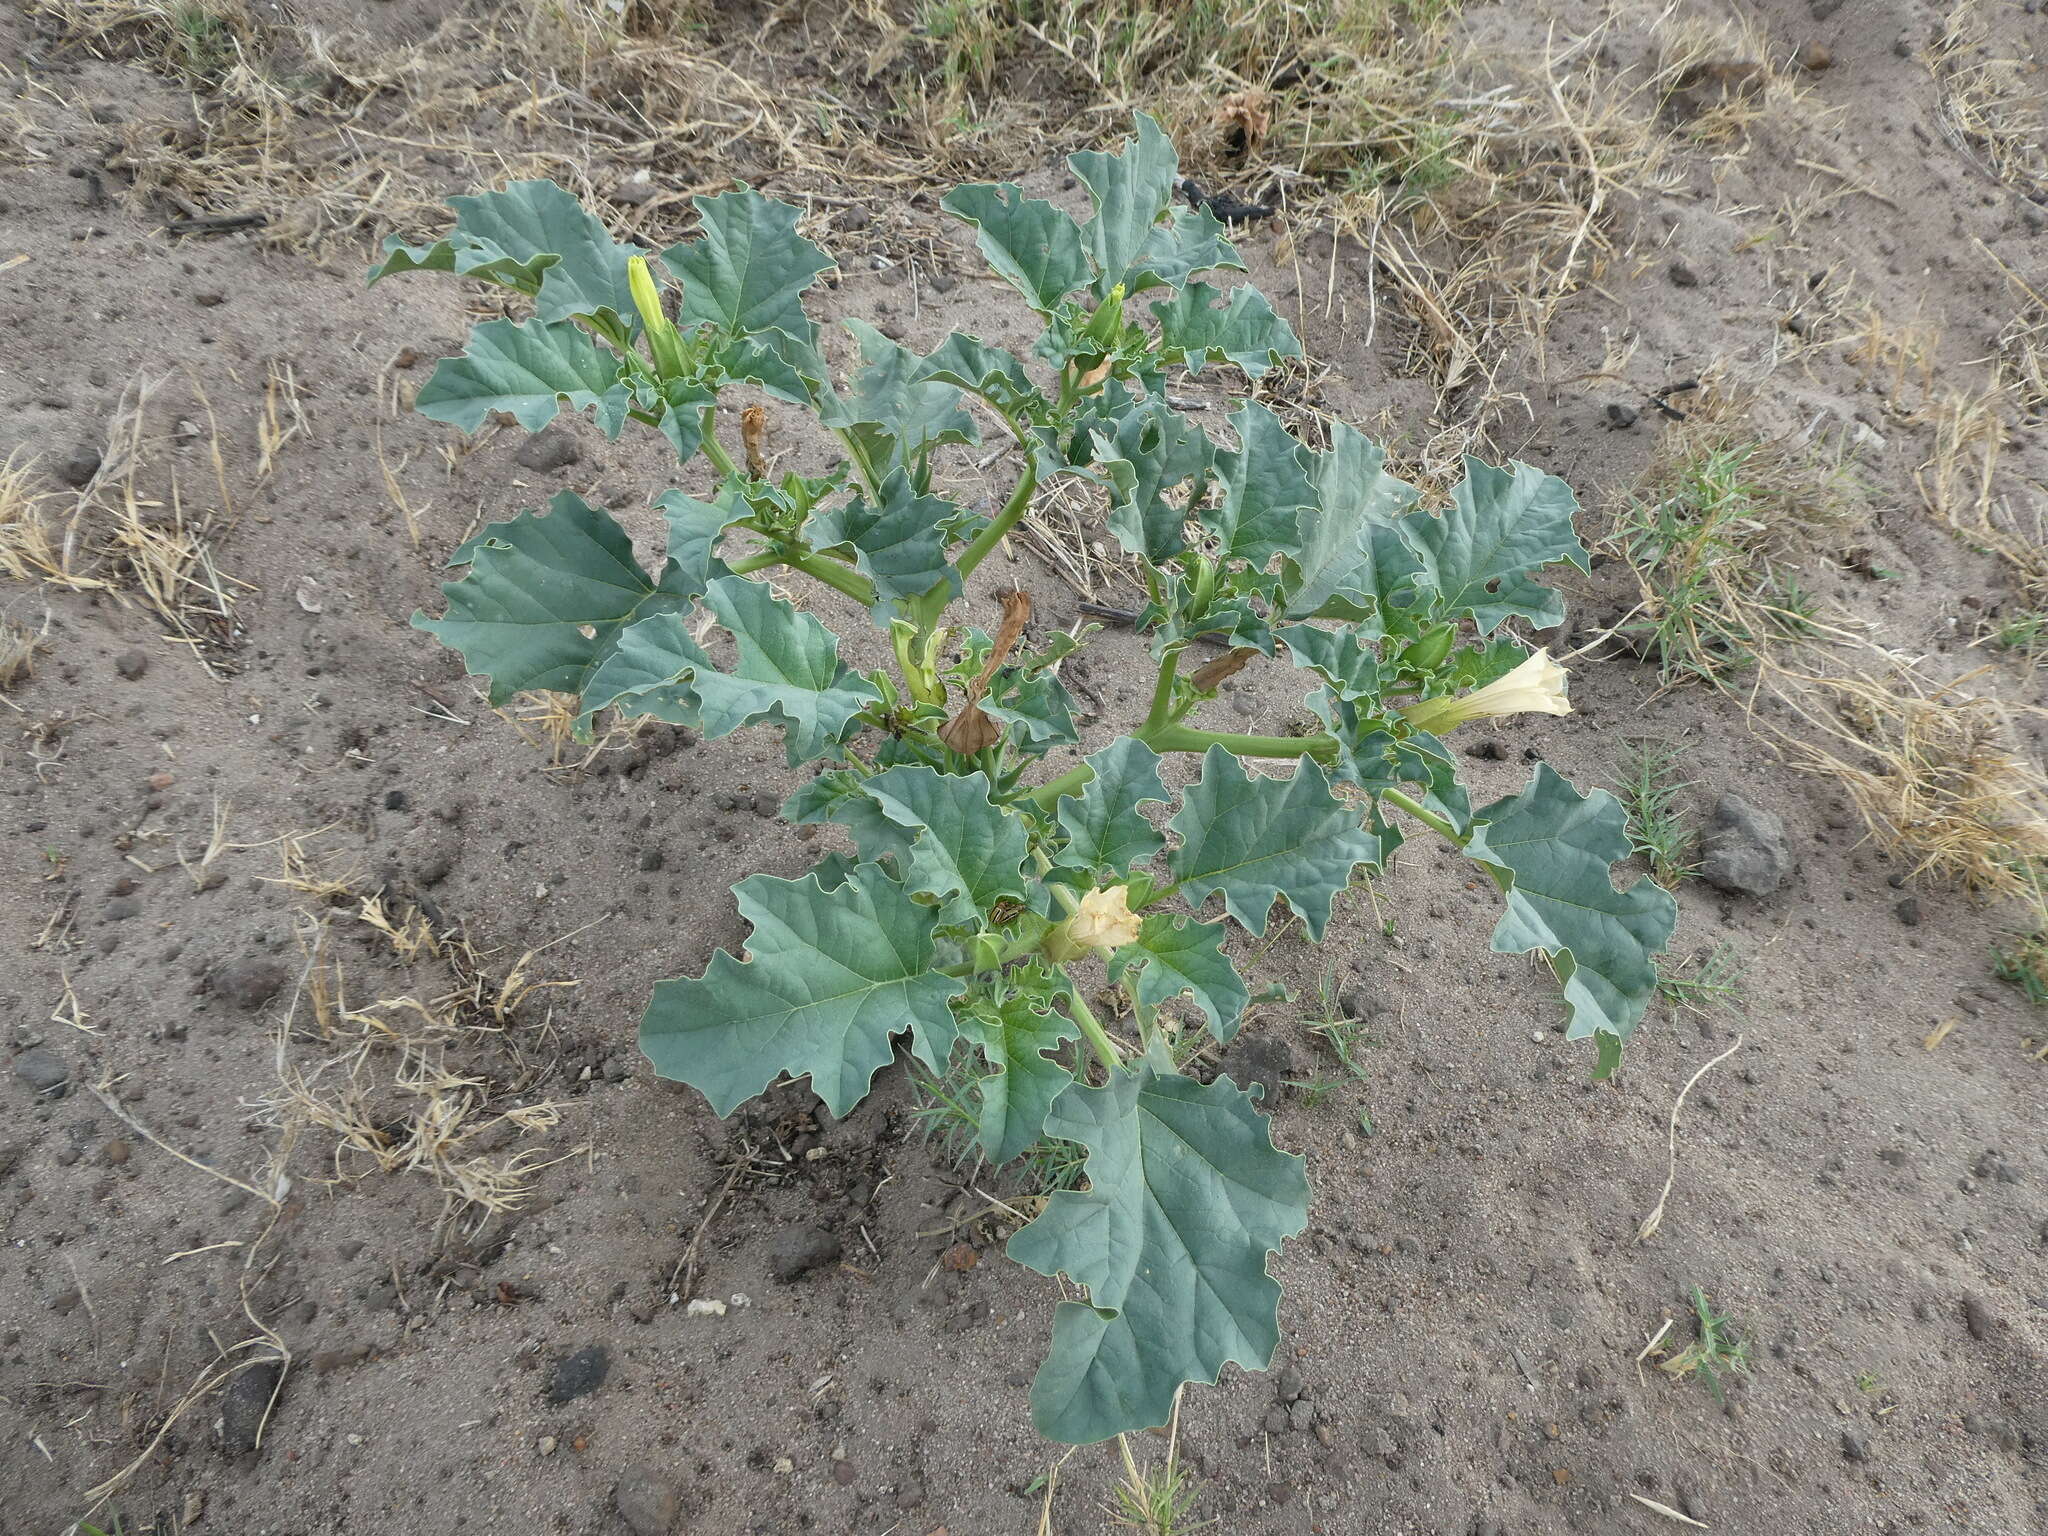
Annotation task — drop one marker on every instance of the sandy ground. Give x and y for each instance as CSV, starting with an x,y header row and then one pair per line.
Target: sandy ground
x,y
1464,1315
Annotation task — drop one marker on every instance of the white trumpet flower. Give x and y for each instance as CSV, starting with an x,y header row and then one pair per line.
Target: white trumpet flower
x,y
1536,687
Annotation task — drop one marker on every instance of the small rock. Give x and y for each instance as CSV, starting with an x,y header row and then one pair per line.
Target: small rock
x,y
1908,911
1275,1421
1854,1446
1620,417
1821,10
1744,851
1488,750
766,805
797,1251
651,860
244,1405
433,861
116,1152
1682,276
1301,1416
250,983
846,220
131,664
1289,1384
636,189
578,1374
212,299
1260,1061
78,466
646,1502
547,450
1977,1317
43,1070
546,1445
1815,57
843,1473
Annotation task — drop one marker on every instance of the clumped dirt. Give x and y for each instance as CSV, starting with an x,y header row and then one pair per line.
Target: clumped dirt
x,y
267,1310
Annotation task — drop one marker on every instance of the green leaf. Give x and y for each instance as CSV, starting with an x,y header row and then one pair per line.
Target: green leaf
x,y
1033,246
1255,839
1190,240
1187,1196
897,419
1337,657
829,977
1176,955
1154,449
1551,848
694,528
679,403
973,365
1195,329
1131,190
527,369
1105,830
647,671
968,851
533,237
1265,485
898,542
1347,563
839,796
534,585
1034,707
1013,1037
1503,523
789,671
747,272
782,365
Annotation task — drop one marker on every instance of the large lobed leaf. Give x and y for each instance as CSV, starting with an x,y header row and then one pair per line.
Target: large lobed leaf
x,y
747,272
529,370
533,237
1023,1081
1551,849
1173,956
1187,1196
1105,829
1350,557
829,977
1259,839
1131,190
1501,524
1033,246
788,671
1243,329
967,851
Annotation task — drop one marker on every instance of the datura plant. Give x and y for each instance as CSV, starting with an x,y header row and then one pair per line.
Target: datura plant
x,y
984,888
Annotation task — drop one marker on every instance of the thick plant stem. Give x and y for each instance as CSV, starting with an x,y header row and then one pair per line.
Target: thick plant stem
x,y
1187,738
830,572
714,450
1097,1036
1161,714
1005,520
1072,782
1423,814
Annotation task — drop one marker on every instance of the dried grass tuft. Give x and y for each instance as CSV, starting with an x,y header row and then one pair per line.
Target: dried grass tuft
x,y
1934,774
1993,107
18,647
1960,484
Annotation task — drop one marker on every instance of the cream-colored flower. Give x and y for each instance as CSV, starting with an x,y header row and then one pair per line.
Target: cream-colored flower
x,y
1536,687
1104,921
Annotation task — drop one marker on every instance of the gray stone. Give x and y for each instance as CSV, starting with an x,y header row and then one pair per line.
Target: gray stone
x,y
79,465
1682,276
797,1251
245,1404
249,984
547,450
1854,1446
646,1502
43,1070
1744,851
131,664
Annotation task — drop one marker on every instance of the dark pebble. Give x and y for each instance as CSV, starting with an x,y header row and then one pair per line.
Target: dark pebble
x,y
1977,1317
1909,911
547,450
249,984
1620,417
651,859
79,465
131,664
1682,276
797,1251
244,1404
43,1070
578,1374
1854,1446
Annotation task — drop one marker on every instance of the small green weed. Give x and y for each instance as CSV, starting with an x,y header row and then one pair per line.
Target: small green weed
x,y
948,1111
2024,964
1712,1357
1711,978
1659,826
2024,635
1156,1500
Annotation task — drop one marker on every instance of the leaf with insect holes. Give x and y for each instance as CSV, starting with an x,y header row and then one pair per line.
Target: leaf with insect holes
x,y
1023,1081
968,852
1194,328
1503,523
1105,829
1338,657
528,370
898,540
1350,557
829,977
896,419
1187,1196
1131,189
647,672
747,271
1551,849
788,672
1153,449
533,237
1259,839
1180,955
1265,484
535,585
1033,246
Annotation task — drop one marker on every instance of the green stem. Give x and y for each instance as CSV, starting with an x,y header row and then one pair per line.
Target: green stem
x,y
1161,714
1097,1036
1069,783
989,537
1026,942
1427,817
714,450
838,577
1187,738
